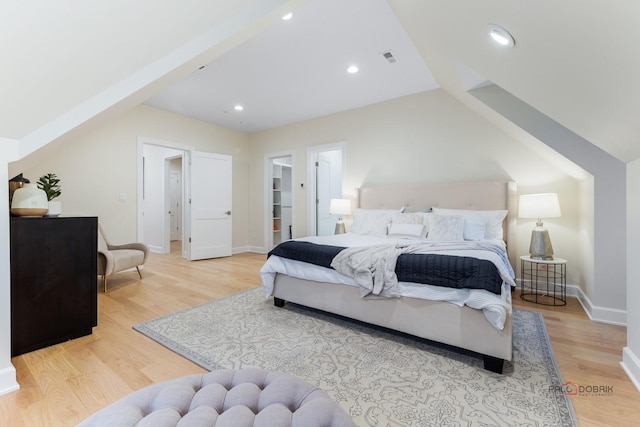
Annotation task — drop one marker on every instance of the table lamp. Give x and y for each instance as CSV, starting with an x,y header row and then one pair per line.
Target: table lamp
x,y
340,207
539,206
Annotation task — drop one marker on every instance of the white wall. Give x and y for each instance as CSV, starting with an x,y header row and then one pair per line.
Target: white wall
x,y
427,137
631,353
7,370
96,167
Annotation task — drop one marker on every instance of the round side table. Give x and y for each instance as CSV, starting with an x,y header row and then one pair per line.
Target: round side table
x,y
547,280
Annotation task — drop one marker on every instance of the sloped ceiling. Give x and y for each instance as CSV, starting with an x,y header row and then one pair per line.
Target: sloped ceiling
x,y
574,61
59,56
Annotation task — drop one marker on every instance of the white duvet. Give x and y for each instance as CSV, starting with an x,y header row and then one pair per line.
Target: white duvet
x,y
495,307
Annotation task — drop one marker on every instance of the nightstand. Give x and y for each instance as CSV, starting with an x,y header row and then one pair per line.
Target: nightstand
x,y
547,280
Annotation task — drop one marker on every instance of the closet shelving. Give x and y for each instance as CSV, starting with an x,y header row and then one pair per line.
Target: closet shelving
x,y
281,203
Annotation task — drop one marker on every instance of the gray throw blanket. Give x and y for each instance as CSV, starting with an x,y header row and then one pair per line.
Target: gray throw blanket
x,y
373,267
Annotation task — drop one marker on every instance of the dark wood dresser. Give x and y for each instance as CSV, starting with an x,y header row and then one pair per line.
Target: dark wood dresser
x,y
54,295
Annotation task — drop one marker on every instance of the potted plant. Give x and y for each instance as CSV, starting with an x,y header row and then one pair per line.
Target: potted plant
x,y
50,184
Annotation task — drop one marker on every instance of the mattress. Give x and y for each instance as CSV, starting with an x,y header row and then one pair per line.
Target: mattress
x,y
495,306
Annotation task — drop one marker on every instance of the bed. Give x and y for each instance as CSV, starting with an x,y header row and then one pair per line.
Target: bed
x,y
464,323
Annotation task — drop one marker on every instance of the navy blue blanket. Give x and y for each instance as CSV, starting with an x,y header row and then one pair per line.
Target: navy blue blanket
x,y
439,270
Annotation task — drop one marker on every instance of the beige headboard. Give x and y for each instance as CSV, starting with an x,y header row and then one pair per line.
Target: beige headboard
x,y
453,195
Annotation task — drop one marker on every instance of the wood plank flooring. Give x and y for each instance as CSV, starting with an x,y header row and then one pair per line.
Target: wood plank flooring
x,y
63,384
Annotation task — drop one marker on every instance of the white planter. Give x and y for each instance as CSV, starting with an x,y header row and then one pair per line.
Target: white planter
x,y
29,200
55,209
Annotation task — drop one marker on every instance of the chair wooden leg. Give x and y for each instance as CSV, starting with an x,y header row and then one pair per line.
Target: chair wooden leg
x,y
104,283
139,274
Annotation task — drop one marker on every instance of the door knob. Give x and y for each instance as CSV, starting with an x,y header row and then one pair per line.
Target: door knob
x,y
227,213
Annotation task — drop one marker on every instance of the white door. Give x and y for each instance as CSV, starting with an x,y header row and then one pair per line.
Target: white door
x,y
175,197
325,222
210,206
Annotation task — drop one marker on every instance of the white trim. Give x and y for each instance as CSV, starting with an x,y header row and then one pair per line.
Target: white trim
x,y
8,381
249,249
311,177
156,249
606,315
610,316
631,366
268,194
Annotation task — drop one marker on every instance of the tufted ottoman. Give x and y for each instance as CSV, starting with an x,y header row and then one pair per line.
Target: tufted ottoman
x,y
225,398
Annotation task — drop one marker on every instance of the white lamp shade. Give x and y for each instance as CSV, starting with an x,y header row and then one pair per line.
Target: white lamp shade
x,y
340,207
545,205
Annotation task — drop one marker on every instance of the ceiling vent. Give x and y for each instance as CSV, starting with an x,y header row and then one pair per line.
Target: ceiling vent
x,y
390,57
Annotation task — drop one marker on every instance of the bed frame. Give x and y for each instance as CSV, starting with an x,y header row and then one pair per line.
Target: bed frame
x,y
442,322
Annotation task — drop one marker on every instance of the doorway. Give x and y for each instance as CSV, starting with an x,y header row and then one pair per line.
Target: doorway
x,y
156,215
326,170
279,210
175,190
177,201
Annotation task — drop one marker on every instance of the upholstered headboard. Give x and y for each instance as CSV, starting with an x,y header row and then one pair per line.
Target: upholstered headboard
x,y
453,195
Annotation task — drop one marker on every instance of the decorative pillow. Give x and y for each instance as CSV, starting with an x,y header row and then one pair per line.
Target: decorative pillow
x,y
407,231
446,228
474,227
371,222
408,218
493,219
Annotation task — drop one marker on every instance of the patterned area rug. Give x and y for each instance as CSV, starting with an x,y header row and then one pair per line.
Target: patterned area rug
x,y
380,377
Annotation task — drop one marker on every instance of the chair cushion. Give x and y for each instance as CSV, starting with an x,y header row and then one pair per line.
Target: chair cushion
x,y
225,398
127,258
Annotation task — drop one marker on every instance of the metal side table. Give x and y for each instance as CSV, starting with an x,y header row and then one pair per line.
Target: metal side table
x,y
547,280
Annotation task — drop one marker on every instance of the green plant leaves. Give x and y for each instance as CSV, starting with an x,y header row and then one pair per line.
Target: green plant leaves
x,y
51,185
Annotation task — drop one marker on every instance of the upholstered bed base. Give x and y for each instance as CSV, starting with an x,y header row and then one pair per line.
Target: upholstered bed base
x,y
442,322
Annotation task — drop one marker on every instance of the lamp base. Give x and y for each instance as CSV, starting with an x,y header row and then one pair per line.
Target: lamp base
x,y
540,246
340,229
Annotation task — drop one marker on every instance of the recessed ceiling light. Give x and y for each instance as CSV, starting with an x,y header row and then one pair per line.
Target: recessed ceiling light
x,y
352,69
287,16
500,35
238,107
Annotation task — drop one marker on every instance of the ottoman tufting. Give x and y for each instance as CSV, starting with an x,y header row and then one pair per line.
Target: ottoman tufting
x,y
225,398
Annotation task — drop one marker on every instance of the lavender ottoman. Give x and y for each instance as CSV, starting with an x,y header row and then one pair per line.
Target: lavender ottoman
x,y
225,398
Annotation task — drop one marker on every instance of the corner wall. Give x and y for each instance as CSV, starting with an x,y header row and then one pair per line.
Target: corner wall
x,y
631,353
606,300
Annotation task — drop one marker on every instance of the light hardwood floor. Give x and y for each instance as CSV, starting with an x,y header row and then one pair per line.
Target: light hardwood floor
x,y
63,384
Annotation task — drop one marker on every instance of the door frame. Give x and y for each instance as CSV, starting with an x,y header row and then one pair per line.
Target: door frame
x,y
312,153
268,194
167,201
141,142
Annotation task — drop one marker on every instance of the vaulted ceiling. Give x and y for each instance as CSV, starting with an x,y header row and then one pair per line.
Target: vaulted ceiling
x,y
297,69
66,63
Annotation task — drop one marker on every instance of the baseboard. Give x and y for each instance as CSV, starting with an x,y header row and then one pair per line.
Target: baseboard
x,y
573,291
8,381
252,249
631,365
606,315
156,249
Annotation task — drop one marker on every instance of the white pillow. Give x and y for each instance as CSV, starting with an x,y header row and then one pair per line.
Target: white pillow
x,y
407,231
371,222
408,218
493,224
446,228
